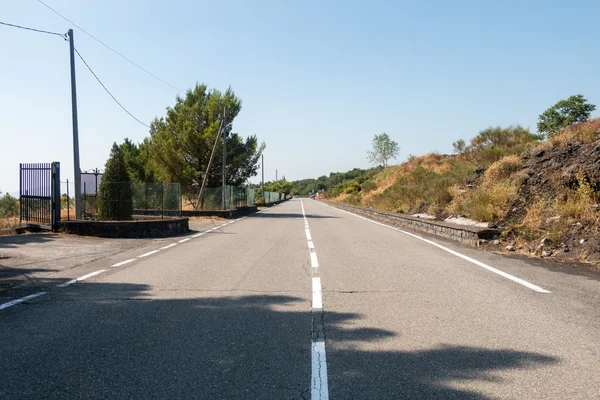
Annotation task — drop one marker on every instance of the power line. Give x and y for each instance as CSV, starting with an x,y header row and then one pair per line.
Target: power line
x,y
110,48
62,35
108,91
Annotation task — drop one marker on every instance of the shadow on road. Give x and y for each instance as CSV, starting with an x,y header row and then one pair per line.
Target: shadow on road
x,y
17,240
115,341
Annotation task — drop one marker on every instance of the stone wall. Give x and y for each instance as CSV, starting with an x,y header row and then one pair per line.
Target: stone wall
x,y
464,234
127,229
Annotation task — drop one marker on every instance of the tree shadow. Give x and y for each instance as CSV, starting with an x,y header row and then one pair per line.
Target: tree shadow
x,y
127,341
18,240
423,374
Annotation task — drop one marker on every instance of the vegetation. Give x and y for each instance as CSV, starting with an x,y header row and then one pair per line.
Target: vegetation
x,y
383,148
565,113
115,195
336,183
538,187
181,143
137,159
9,210
491,144
280,186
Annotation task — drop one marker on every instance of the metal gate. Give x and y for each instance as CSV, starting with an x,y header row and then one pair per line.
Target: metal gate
x,y
39,198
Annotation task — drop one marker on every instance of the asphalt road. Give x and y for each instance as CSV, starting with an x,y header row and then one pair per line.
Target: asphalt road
x,y
305,301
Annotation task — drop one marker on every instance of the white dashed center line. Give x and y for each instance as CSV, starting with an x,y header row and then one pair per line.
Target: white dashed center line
x,y
82,278
123,262
318,388
148,253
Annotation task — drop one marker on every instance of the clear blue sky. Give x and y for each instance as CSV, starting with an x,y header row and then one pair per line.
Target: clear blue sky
x,y
317,79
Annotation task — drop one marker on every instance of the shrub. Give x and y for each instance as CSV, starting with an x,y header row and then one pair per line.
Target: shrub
x,y
503,168
368,186
492,144
9,206
578,204
352,187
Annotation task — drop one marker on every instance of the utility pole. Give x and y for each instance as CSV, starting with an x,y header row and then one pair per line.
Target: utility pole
x,y
262,157
224,158
75,130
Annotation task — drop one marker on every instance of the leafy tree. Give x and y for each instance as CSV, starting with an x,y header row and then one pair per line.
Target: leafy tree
x,y
564,113
493,143
182,142
115,193
459,146
383,148
280,186
9,206
136,160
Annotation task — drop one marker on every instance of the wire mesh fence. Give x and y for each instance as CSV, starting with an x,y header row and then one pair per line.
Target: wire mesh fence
x,y
271,197
122,200
235,197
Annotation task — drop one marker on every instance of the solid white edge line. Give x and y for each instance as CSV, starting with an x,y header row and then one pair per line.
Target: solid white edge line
x,y
317,298
310,244
149,253
198,235
22,299
81,278
168,246
457,254
319,388
184,240
123,262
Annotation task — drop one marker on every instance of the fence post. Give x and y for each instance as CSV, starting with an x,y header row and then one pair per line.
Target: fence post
x,y
162,201
84,202
55,195
181,200
68,203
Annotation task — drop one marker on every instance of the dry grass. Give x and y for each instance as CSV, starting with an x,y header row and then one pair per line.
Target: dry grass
x,y
502,169
579,203
8,223
486,203
490,201
585,132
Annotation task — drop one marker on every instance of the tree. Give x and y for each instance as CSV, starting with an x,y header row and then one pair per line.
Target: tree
x,y
115,193
182,142
9,207
459,146
383,148
493,143
136,160
564,113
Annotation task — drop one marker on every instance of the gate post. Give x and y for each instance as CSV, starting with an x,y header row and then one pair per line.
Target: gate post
x,y
55,195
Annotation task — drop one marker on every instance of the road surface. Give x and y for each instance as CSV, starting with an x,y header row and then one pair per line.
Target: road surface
x,y
305,301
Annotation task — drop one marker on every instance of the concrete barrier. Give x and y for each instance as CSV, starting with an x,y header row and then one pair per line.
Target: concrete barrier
x,y
465,234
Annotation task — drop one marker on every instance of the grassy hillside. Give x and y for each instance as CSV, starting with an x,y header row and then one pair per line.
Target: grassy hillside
x,y
543,194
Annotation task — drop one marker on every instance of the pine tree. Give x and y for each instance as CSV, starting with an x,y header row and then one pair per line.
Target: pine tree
x,y
115,194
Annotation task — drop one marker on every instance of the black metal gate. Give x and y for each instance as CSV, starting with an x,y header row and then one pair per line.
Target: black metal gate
x,y
39,198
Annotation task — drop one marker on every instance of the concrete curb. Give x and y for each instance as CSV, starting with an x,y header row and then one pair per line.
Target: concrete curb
x,y
464,234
